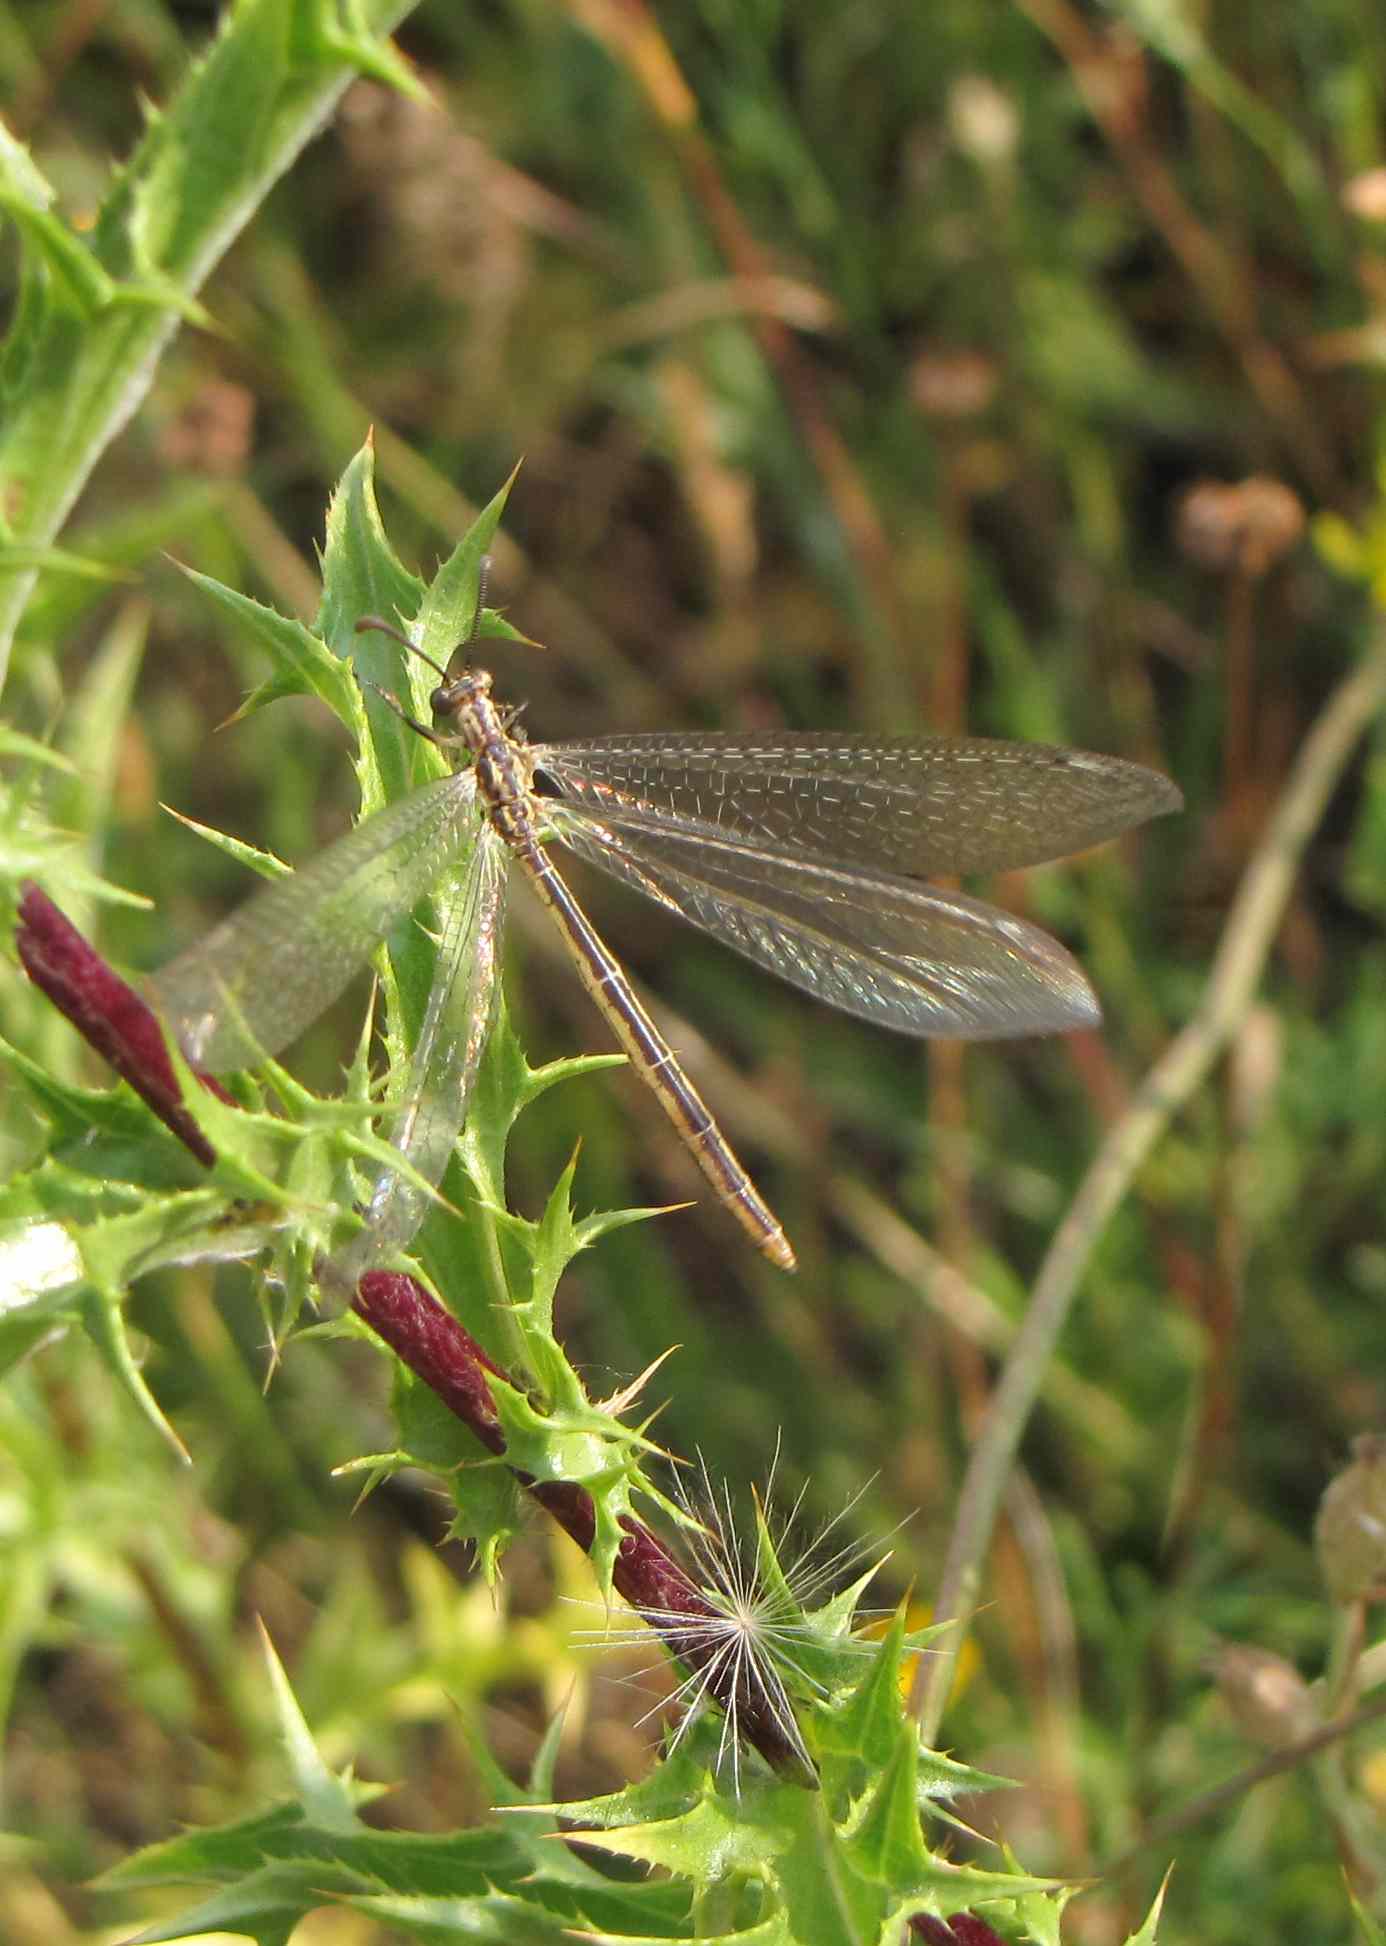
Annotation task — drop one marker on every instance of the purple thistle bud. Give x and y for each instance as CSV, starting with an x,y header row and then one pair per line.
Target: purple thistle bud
x,y
107,1013
963,1929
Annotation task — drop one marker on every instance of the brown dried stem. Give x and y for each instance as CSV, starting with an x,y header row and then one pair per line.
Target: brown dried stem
x,y
1247,940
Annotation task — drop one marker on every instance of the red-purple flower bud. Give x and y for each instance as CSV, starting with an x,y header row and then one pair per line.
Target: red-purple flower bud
x,y
107,1013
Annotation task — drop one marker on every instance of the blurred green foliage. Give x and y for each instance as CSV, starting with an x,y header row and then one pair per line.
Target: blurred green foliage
x,y
878,366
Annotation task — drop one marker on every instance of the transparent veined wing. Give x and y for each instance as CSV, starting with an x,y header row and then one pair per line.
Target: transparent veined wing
x,y
883,948
268,971
918,807
433,1101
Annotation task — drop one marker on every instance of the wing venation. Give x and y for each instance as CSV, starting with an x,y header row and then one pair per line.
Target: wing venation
x,y
917,807
907,956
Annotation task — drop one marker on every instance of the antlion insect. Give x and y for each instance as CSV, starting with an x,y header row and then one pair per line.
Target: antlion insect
x,y
804,851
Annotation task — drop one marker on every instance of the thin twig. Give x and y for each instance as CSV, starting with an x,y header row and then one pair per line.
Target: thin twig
x,y
1228,1792
1246,943
964,1307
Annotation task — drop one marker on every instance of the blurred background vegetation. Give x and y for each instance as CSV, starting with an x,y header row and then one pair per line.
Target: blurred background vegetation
x,y
873,366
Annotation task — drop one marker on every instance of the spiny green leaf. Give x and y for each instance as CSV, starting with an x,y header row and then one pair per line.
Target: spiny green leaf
x,y
714,1833
362,575
326,1800
105,1322
492,1511
554,1244
667,1790
449,607
263,862
582,1445
21,175
1147,1934
79,279
266,1906
486,1919
862,1731
377,59
771,1843
303,664
505,1086
285,1835
887,1842
941,1777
